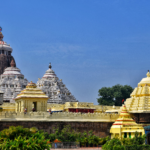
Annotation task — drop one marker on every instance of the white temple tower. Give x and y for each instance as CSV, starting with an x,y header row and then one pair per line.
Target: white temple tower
x,y
54,88
12,82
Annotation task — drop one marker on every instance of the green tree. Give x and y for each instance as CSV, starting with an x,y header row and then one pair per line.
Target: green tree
x,y
114,95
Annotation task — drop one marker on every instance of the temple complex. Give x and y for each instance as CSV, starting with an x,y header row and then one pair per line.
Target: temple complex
x,y
12,82
54,88
31,99
5,54
49,104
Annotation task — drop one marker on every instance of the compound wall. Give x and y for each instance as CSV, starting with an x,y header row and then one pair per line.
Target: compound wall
x,y
100,129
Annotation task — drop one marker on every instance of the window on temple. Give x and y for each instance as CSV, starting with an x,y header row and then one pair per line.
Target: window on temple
x,y
129,134
125,135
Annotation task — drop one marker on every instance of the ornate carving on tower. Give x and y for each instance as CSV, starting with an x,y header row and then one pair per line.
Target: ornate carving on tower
x,y
5,54
140,97
12,82
54,88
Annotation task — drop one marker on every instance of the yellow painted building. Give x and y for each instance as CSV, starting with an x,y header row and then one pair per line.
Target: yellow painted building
x,y
30,98
125,126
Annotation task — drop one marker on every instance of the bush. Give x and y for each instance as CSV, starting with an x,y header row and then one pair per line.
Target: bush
x,y
118,147
137,147
16,138
137,140
69,135
111,143
102,141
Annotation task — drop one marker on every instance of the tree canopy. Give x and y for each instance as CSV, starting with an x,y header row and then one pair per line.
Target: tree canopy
x,y
114,95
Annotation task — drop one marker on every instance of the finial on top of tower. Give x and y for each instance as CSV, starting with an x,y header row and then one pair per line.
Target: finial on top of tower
x,y
12,64
1,35
148,74
50,66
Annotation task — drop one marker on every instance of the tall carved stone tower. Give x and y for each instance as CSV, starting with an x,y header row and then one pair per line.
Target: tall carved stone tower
x,y
5,54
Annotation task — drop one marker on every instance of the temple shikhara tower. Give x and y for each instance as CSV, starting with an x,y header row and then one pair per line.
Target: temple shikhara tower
x,y
54,88
12,81
139,103
5,54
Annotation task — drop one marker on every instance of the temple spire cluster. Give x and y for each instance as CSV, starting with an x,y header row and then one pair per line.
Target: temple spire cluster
x,y
12,81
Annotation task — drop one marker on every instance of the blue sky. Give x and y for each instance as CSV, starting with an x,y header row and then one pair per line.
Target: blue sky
x,y
90,43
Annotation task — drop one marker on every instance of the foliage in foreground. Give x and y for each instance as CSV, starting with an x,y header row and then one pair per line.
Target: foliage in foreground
x,y
135,143
69,135
24,138
19,138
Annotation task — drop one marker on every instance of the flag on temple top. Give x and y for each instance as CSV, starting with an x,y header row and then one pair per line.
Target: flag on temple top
x,y
122,100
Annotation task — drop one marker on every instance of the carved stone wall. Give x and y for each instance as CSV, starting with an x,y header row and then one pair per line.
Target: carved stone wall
x,y
100,129
5,62
143,118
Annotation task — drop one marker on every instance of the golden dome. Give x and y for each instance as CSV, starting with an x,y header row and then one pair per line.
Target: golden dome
x,y
146,80
31,85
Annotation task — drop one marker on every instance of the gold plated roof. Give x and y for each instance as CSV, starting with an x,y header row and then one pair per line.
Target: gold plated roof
x,y
140,97
124,118
31,92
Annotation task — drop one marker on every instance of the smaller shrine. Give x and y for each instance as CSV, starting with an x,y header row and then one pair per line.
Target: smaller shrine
x,y
31,99
125,126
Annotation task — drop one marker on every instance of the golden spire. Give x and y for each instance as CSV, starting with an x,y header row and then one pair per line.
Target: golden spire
x,y
31,85
148,74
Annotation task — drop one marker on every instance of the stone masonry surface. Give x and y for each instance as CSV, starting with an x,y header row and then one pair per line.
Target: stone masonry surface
x,y
100,129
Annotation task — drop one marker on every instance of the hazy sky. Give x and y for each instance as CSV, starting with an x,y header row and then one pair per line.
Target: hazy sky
x,y
90,43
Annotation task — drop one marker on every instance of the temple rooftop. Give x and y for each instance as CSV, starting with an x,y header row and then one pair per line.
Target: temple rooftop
x,y
140,97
